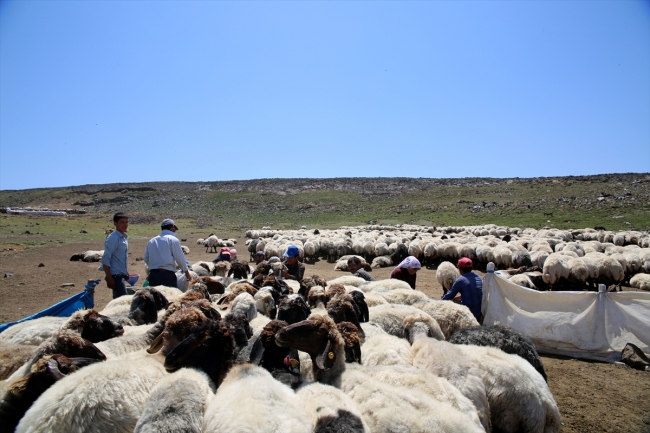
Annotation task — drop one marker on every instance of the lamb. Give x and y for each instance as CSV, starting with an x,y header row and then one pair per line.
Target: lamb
x,y
504,338
270,405
444,360
88,323
519,399
446,274
449,315
177,403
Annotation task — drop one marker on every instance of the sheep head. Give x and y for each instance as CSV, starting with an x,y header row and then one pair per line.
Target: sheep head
x,y
293,310
93,326
350,334
341,309
210,346
317,336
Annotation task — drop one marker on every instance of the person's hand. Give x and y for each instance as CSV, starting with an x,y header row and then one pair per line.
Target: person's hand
x,y
285,274
188,276
110,282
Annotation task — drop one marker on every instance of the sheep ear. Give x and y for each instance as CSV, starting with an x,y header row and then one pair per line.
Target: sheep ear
x,y
160,299
222,300
257,352
176,358
357,353
156,344
326,356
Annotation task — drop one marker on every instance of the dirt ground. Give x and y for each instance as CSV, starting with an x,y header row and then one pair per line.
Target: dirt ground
x,y
591,396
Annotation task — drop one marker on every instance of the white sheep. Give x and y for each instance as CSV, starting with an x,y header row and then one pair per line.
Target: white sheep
x,y
519,398
449,315
640,281
391,318
177,403
447,360
381,348
381,262
104,397
556,267
446,274
402,296
387,284
347,280
250,400
329,407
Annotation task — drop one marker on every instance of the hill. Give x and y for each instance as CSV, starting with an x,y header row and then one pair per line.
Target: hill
x,y
612,201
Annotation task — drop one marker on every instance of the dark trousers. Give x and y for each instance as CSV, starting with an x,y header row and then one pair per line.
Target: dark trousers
x,y
162,277
120,287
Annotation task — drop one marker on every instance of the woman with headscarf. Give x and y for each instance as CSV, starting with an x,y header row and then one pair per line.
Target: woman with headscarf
x,y
407,270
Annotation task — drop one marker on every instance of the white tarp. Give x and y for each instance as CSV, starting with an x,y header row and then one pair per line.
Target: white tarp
x,y
586,325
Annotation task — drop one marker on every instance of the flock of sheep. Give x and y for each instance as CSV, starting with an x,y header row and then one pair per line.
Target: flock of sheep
x,y
345,355
268,355
538,259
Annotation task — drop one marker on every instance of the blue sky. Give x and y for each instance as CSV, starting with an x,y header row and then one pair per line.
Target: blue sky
x,y
117,91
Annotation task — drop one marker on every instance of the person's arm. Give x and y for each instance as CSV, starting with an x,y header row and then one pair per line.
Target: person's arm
x,y
109,247
455,288
179,257
301,271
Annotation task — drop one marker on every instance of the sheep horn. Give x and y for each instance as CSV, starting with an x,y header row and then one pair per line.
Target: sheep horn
x,y
156,344
53,369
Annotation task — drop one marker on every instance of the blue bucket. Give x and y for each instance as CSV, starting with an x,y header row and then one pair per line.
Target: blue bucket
x,y
133,278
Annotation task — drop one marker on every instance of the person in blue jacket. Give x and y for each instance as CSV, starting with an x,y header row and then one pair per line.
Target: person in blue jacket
x,y
470,287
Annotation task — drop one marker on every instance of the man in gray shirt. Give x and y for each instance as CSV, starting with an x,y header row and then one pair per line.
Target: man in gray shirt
x,y
162,255
116,250
355,266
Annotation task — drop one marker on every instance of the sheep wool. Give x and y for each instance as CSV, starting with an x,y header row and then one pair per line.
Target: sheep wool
x,y
270,406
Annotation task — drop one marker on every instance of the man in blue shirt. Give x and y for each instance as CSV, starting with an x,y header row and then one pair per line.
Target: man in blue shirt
x,y
162,255
470,287
116,251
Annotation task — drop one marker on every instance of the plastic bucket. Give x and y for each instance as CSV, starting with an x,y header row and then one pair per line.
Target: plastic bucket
x,y
133,278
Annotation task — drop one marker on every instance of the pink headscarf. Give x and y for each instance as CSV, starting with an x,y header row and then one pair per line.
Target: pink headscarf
x,y
409,263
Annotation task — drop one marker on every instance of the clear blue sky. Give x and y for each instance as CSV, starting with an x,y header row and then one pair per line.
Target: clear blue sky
x,y
133,91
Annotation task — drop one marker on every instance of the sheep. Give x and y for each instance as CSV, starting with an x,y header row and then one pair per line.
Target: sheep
x,y
504,338
446,274
444,360
22,392
12,356
502,257
391,317
145,304
343,309
402,296
265,302
384,408
211,243
410,377
519,398
244,303
640,281
347,280
103,397
203,269
556,267
381,348
88,256
293,310
64,342
88,323
381,262
177,403
270,406
523,280
388,284
449,315
282,362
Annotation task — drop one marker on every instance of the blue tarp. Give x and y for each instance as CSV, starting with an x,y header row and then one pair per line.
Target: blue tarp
x,y
62,309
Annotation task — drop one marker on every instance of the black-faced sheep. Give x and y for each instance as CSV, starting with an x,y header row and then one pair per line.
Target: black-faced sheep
x,y
293,310
282,362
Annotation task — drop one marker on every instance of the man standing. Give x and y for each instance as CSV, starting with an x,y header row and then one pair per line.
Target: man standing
x,y
354,266
116,250
294,269
470,287
162,255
